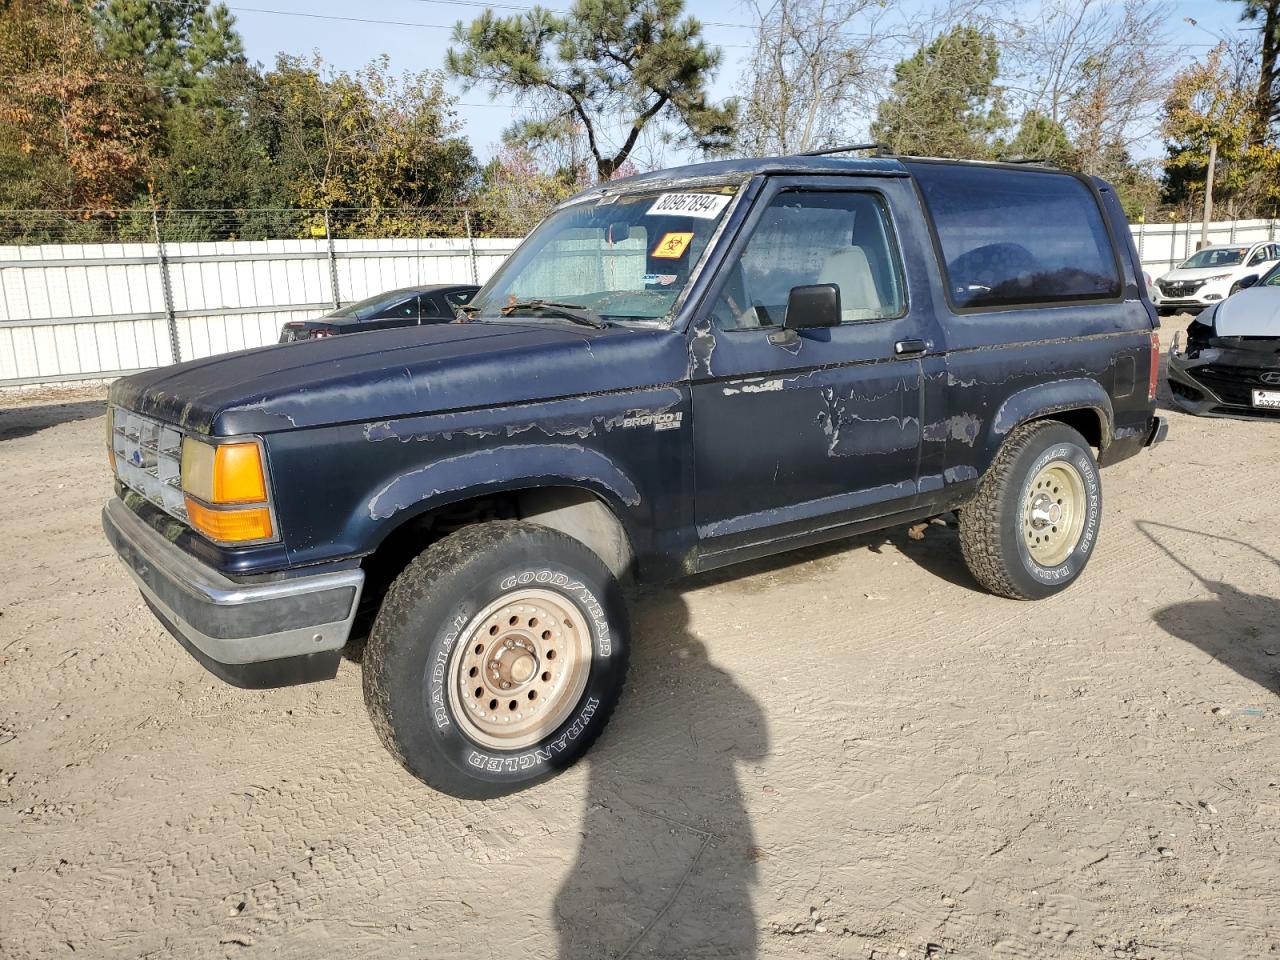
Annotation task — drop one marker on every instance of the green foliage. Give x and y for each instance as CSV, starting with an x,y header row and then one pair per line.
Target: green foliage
x,y
75,127
1208,104
1040,138
613,66
367,139
178,45
944,100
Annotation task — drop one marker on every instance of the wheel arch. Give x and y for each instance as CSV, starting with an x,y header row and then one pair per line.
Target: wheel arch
x,y
1080,403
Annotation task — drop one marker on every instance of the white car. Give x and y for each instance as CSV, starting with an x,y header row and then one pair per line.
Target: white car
x,y
1211,273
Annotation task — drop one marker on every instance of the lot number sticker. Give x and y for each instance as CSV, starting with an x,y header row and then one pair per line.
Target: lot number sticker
x,y
672,246
703,206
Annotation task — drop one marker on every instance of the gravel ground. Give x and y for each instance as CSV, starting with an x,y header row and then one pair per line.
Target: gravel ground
x,y
845,752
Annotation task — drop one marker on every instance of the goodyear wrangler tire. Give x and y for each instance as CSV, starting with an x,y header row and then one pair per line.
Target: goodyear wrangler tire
x,y
496,659
1031,528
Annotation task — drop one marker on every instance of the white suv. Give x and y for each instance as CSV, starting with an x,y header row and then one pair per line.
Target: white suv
x,y
1211,273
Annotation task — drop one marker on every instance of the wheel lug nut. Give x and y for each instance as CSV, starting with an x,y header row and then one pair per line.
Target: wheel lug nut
x,y
506,685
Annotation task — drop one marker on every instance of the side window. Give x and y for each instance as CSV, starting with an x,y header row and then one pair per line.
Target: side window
x,y
1261,256
460,299
427,307
399,310
806,237
1017,237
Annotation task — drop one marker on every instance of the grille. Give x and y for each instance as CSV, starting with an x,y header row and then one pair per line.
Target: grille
x,y
149,460
1232,384
1180,289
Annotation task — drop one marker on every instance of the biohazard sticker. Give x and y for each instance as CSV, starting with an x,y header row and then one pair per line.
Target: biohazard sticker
x,y
703,206
672,246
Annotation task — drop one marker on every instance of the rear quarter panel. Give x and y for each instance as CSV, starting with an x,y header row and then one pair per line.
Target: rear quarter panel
x,y
1003,367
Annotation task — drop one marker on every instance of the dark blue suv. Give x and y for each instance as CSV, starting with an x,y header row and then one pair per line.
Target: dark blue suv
x,y
674,372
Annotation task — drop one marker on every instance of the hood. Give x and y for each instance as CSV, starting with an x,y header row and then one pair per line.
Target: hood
x,y
396,373
1254,312
1200,273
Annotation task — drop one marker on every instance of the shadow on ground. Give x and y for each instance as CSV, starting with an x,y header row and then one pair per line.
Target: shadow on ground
x,y
18,422
666,860
1235,626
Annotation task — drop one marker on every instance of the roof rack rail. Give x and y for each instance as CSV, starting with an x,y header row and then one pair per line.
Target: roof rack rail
x,y
881,149
1029,160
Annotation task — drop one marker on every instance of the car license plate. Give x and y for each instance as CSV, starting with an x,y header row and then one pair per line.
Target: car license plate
x,y
1267,398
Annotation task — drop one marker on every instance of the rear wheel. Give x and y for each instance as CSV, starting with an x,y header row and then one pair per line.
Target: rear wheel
x,y
1033,524
496,659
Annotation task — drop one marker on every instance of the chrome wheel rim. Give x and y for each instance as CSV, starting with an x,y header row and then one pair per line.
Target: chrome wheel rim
x,y
519,669
1053,513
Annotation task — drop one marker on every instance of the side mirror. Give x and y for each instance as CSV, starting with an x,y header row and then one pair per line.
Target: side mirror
x,y
817,305
1248,281
808,308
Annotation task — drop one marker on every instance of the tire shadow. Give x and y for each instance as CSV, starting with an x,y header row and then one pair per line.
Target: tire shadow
x,y
1235,626
666,860
16,422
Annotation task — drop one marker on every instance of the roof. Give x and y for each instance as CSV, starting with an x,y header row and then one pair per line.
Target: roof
x,y
832,164
742,169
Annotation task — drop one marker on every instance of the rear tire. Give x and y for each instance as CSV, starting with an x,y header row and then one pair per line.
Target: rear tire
x,y
496,659
1031,528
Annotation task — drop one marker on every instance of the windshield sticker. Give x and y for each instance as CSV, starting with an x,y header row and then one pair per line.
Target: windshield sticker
x,y
661,279
672,246
704,206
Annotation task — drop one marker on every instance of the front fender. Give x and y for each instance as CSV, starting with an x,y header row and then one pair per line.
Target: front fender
x,y
1046,399
502,468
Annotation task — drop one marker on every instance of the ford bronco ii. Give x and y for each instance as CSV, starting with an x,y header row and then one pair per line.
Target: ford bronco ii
x,y
673,372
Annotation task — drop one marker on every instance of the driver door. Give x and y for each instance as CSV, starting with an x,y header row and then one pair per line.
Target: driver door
x,y
793,438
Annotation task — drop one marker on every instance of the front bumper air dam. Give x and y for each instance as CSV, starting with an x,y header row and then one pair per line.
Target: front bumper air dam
x,y
268,633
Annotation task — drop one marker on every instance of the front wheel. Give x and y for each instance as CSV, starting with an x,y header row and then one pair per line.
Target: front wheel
x,y
1033,524
496,658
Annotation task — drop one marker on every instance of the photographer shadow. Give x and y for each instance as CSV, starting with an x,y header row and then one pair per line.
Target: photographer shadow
x,y
666,860
1235,626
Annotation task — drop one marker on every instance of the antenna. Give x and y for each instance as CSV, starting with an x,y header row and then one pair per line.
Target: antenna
x,y
880,149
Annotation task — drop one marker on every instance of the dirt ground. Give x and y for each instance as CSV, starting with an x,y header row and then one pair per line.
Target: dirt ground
x,y
848,752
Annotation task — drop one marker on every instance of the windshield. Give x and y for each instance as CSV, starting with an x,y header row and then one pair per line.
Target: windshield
x,y
1215,257
621,257
364,309
1272,278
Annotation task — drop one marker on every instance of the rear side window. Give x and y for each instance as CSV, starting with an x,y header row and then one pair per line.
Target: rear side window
x,y
1012,238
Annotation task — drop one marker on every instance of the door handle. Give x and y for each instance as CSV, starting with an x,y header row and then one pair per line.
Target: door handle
x,y
909,348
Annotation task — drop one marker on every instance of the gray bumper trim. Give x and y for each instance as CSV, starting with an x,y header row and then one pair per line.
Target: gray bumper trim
x,y
228,621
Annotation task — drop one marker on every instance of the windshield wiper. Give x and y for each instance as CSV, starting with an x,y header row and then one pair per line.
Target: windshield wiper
x,y
570,311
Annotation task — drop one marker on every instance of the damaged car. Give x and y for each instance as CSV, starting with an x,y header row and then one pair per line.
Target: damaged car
x,y
1229,364
674,372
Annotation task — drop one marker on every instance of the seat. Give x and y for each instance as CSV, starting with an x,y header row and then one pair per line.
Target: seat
x,y
849,269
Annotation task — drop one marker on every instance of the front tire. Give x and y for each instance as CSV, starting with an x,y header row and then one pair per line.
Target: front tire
x,y
1031,528
496,659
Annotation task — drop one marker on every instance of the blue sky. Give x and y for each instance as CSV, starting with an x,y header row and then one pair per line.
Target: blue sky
x,y
297,27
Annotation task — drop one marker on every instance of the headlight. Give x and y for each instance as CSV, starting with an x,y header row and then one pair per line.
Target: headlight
x,y
226,490
1221,276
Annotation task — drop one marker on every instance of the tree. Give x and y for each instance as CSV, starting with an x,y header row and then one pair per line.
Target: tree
x,y
368,139
179,45
517,190
944,100
807,73
74,126
1266,13
1098,69
1040,137
1214,102
613,66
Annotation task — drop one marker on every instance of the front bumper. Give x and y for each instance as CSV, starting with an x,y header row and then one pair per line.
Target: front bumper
x,y
268,632
1210,387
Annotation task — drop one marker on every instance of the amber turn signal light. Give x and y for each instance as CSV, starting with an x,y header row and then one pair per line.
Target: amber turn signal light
x,y
230,526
